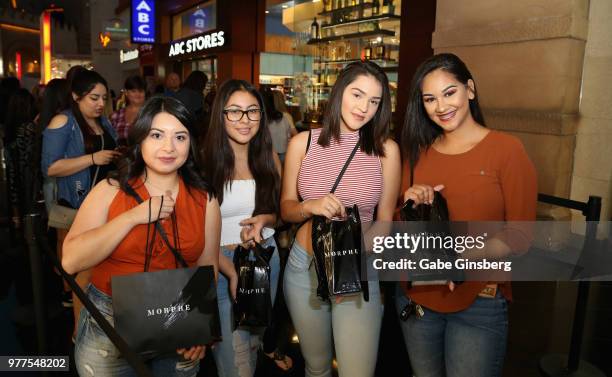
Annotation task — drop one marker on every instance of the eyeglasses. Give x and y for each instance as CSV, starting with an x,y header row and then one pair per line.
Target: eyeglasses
x,y
235,115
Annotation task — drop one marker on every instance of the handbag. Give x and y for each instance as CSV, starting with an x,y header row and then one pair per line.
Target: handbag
x,y
161,311
253,305
337,250
62,217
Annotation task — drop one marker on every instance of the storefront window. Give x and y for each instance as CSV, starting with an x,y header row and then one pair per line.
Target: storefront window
x,y
196,20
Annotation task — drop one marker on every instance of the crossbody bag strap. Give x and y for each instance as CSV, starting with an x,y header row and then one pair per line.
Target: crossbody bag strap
x,y
159,229
95,177
346,164
130,356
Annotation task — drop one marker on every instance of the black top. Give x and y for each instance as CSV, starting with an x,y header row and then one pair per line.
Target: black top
x,y
109,145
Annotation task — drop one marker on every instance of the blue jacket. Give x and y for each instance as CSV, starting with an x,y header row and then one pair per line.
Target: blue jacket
x,y
67,142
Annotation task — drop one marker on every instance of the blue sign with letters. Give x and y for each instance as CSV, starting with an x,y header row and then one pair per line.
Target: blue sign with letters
x,y
143,21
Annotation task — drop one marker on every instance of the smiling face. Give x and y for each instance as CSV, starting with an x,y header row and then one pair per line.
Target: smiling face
x,y
92,104
242,131
166,148
446,100
360,101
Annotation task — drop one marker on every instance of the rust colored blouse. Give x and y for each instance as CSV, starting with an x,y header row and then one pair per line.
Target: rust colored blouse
x,y
129,256
494,181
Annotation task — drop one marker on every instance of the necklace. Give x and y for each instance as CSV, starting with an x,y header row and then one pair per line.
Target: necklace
x,y
174,189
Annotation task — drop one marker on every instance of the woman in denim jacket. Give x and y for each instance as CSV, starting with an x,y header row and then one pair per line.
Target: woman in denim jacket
x,y
79,140
79,148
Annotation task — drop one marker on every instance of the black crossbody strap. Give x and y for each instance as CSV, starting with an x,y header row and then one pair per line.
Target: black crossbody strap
x,y
130,356
346,164
159,229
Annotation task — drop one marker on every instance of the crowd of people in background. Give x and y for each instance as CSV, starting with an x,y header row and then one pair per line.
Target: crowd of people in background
x,y
225,166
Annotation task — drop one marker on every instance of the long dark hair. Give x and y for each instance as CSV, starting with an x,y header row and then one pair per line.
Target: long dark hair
x,y
272,113
419,131
196,80
374,133
55,99
21,110
83,83
218,156
133,165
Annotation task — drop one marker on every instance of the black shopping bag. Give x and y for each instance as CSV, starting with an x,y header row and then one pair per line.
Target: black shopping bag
x,y
253,306
161,311
337,255
436,221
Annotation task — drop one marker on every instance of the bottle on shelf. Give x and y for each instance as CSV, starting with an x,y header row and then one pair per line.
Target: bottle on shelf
x,y
327,5
376,8
314,30
324,30
380,51
367,51
390,7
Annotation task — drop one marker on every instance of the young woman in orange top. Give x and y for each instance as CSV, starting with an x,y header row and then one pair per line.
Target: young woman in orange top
x,y
109,233
484,175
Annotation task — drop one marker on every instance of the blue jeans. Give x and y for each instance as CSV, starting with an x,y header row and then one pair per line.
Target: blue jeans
x,y
96,355
468,343
236,354
352,326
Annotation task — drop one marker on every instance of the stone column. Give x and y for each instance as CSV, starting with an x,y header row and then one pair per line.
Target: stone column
x,y
593,156
526,57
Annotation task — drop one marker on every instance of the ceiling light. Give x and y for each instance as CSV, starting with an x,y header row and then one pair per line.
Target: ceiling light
x,y
267,12
285,6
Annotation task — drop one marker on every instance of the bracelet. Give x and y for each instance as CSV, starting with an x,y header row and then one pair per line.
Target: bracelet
x,y
92,160
302,209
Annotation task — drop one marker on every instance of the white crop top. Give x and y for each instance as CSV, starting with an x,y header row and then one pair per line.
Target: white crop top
x,y
238,204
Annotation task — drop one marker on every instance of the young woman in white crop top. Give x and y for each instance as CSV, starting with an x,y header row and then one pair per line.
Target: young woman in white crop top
x,y
240,164
358,110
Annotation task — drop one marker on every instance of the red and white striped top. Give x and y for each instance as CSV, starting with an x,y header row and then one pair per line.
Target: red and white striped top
x,y
361,183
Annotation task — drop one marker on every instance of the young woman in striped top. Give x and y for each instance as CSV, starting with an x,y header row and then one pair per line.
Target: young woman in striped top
x,y
359,109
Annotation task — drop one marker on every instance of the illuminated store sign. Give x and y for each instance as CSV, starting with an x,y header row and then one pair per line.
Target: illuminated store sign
x,y
199,43
143,21
126,56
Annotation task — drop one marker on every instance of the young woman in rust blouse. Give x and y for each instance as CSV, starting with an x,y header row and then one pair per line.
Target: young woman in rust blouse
x,y
110,231
485,176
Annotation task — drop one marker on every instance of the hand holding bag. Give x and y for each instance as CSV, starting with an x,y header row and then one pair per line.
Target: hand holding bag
x,y
437,224
253,306
337,250
161,311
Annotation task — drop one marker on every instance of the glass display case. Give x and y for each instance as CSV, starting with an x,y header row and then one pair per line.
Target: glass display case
x,y
344,31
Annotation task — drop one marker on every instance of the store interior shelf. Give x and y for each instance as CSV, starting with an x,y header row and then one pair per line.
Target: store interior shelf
x,y
346,61
347,9
380,17
373,33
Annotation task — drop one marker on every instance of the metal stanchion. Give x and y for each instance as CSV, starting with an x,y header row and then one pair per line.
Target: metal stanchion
x,y
570,365
30,224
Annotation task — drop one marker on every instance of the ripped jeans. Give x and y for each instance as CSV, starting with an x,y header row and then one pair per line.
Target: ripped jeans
x,y
236,354
351,327
96,355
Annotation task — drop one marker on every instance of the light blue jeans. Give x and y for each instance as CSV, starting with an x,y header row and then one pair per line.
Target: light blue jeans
x,y
96,355
468,343
352,326
236,354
